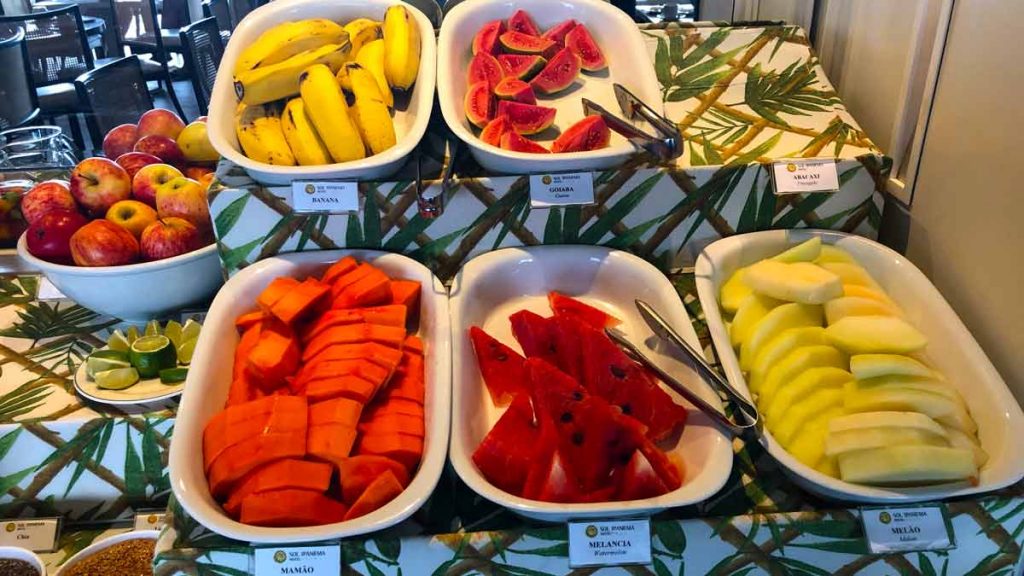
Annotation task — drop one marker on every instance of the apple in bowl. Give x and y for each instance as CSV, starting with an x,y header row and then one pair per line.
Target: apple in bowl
x,y
149,179
49,237
185,198
163,147
132,215
169,237
132,162
160,122
103,243
47,197
120,140
97,183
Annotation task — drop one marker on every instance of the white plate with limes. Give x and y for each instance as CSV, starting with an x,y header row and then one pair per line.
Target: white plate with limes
x,y
139,368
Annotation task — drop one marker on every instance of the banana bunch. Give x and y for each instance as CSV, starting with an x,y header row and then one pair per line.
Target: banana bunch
x,y
315,92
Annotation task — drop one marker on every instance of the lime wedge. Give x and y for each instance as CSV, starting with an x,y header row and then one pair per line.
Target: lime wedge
x,y
96,364
152,328
151,354
173,331
131,334
117,341
117,379
110,354
191,330
185,351
173,375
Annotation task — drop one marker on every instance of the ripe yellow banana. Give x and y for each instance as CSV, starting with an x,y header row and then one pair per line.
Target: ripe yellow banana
x,y
281,80
261,135
370,111
371,58
402,47
325,105
302,138
360,31
288,39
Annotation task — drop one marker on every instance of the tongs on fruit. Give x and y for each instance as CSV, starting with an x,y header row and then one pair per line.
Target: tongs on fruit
x,y
668,144
661,328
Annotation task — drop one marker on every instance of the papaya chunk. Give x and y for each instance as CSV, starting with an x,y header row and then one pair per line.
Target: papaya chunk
x,y
248,320
406,293
379,354
280,475
240,459
357,472
371,290
334,368
387,423
274,291
388,315
404,448
291,508
348,386
413,344
330,442
337,411
389,405
339,269
274,357
354,334
245,345
300,301
407,385
275,412
382,490
349,278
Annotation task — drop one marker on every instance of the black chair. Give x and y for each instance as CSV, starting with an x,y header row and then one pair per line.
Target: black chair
x,y
113,94
202,47
239,10
221,11
138,28
18,105
431,8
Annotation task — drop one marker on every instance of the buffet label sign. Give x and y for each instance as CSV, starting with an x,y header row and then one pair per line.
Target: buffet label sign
x,y
612,543
570,189
801,176
38,535
907,529
330,197
309,560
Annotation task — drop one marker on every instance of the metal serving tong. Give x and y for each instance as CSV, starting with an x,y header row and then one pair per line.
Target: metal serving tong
x,y
668,144
661,328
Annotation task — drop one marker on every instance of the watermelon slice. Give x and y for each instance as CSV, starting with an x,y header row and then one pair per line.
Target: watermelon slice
x,y
568,346
505,454
610,374
568,306
501,366
535,335
639,480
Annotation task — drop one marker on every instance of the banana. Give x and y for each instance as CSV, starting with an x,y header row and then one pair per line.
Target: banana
x,y
360,31
261,136
402,47
325,105
281,80
288,39
370,111
305,143
371,58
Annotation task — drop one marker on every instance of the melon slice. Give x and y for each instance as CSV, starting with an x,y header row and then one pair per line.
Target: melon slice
x,y
912,383
734,291
797,282
940,408
903,465
830,253
865,366
774,323
875,334
753,309
803,252
806,383
779,346
794,364
882,419
839,308
865,292
798,415
958,439
852,274
809,445
869,438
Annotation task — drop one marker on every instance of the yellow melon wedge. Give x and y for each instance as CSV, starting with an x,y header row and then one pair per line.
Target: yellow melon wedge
x,y
907,465
852,274
797,282
793,365
958,439
940,408
792,391
734,291
809,445
875,335
884,419
868,438
778,347
865,292
864,366
804,252
912,383
777,321
789,427
839,308
750,312
828,466
830,253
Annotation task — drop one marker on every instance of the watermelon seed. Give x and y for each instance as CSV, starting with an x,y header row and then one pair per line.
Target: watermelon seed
x,y
617,372
577,395
627,409
577,438
566,416
501,356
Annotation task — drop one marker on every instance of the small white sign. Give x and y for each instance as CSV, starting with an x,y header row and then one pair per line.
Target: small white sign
x,y
802,176
151,520
38,535
611,543
332,197
547,190
306,560
906,529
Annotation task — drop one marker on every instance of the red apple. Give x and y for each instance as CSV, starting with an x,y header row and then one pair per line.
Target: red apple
x,y
46,197
97,183
164,148
160,122
132,215
103,243
132,162
119,140
149,178
185,198
197,173
169,237
50,237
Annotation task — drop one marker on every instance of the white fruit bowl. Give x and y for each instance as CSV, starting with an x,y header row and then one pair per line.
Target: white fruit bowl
x,y
491,287
410,124
136,292
209,378
620,41
951,348
15,553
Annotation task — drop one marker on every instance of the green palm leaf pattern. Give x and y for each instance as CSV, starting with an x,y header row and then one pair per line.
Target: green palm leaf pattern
x,y
790,91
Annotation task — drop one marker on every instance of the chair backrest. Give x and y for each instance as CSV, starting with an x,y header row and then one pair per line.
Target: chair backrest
x,y
239,9
220,10
431,8
202,48
137,25
113,94
18,104
58,48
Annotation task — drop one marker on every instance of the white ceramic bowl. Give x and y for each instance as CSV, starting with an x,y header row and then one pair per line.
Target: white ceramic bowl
x,y
617,35
136,292
15,553
209,378
950,346
104,544
410,124
491,287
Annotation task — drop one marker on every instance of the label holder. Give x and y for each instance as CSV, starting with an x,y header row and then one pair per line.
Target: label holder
x,y
804,176
325,196
622,542
153,519
320,559
553,189
873,518
35,534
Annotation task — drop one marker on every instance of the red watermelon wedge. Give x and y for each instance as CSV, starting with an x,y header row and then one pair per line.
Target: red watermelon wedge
x,y
505,455
535,334
639,480
564,305
501,366
568,347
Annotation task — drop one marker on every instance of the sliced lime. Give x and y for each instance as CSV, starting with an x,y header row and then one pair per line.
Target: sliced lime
x,y
117,379
151,354
191,330
152,328
131,334
185,351
117,341
96,364
110,354
173,375
173,331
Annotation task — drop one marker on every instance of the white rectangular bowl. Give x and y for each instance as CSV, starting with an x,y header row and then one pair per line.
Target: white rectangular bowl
x,y
410,124
617,35
950,347
491,287
209,378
